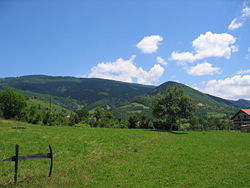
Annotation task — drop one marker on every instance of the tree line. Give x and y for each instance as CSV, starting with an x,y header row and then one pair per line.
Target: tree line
x,y
172,110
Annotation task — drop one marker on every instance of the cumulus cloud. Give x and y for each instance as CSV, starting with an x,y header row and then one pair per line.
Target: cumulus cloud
x,y
127,71
203,69
161,60
239,21
150,77
208,45
235,87
244,71
149,44
183,56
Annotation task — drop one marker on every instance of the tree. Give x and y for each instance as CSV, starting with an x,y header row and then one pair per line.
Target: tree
x,y
98,113
82,113
11,103
132,122
172,106
33,115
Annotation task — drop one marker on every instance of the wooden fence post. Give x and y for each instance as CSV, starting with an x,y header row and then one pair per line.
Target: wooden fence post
x,y
51,161
16,163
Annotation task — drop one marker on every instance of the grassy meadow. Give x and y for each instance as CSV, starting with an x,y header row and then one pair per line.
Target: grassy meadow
x,y
106,157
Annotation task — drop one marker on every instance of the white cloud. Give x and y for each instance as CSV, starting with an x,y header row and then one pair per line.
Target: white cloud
x,y
246,12
161,60
203,69
244,71
149,44
230,88
208,45
239,21
127,71
235,24
150,77
183,56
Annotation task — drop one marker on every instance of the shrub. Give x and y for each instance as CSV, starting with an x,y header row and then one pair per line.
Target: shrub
x,y
11,103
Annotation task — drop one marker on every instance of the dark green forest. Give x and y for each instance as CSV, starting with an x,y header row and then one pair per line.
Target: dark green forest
x,y
107,103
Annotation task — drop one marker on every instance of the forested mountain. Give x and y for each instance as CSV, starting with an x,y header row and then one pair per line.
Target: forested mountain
x,y
207,105
242,103
120,97
89,92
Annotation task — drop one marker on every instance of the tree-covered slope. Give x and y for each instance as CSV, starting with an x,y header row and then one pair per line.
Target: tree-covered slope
x,y
89,92
123,98
242,103
47,106
206,104
197,96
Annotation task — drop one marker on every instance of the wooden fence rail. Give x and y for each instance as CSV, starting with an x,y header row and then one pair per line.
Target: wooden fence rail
x,y
17,158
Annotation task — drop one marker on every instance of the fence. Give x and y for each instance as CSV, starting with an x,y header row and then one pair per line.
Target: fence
x,y
17,158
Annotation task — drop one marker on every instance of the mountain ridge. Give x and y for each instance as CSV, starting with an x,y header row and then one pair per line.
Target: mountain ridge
x,y
73,93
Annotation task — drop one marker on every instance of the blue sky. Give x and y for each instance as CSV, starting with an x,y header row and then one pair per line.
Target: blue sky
x,y
204,44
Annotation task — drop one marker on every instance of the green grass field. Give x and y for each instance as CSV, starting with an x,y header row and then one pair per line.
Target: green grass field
x,y
99,157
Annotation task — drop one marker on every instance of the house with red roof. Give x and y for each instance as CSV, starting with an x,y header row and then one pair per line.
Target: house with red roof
x,y
242,117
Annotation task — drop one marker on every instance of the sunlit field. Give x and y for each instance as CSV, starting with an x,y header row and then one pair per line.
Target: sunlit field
x,y
99,157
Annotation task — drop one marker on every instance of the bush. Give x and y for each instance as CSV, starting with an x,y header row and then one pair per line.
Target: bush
x,y
11,103
164,125
132,122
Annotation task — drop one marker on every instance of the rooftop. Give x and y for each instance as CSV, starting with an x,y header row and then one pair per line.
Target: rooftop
x,y
247,111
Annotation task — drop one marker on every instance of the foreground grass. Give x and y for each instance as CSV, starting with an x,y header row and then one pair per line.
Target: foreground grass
x,y
95,157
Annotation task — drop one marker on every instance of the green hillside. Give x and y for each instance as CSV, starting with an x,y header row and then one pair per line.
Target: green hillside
x,y
45,105
65,102
242,103
206,104
121,98
89,92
